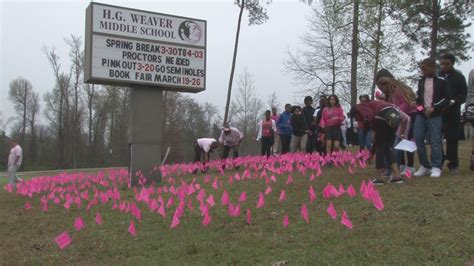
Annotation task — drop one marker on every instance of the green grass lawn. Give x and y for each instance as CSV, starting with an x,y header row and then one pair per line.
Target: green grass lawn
x,y
425,221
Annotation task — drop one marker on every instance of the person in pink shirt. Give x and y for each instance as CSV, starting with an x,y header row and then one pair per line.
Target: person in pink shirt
x,y
387,121
331,120
402,96
266,130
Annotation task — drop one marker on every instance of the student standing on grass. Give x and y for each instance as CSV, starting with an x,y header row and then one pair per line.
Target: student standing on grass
x,y
308,113
203,149
452,115
14,162
432,96
300,130
318,113
470,106
387,121
276,136
266,130
404,98
331,120
363,129
284,129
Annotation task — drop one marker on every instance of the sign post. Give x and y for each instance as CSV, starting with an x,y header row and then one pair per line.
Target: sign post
x,y
148,52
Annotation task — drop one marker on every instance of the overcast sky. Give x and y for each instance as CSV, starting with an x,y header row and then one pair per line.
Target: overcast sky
x,y
26,26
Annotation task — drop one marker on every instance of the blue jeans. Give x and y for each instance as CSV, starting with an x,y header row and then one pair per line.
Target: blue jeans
x,y
429,126
364,138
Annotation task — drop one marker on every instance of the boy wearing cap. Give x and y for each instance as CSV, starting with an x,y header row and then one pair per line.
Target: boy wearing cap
x,y
231,138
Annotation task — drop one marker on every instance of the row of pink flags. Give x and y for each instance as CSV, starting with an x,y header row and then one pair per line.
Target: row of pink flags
x,y
180,190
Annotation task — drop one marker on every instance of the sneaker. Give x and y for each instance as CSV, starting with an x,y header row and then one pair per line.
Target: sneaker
x,y
435,172
377,181
422,171
398,180
454,171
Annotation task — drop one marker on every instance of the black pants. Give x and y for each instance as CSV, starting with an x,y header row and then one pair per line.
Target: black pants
x,y
311,144
285,143
384,139
451,128
267,143
227,149
198,152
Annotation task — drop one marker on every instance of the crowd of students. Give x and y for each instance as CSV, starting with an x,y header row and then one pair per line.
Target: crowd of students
x,y
396,113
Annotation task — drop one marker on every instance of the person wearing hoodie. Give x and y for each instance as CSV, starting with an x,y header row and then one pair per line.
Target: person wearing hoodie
x,y
300,130
284,129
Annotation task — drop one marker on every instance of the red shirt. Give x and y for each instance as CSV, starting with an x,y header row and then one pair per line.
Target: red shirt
x,y
267,128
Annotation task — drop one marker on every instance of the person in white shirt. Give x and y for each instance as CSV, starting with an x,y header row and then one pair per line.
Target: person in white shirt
x,y
14,162
231,138
203,147
266,132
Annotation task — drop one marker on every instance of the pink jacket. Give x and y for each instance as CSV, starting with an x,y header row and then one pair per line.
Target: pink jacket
x,y
332,117
398,100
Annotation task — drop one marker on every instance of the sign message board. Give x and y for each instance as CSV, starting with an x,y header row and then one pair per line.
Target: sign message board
x,y
128,47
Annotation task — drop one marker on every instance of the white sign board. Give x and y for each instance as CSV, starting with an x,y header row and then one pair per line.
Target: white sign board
x,y
127,46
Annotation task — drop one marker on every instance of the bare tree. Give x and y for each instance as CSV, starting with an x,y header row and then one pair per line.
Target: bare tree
x,y
246,109
76,55
273,100
33,109
20,93
323,65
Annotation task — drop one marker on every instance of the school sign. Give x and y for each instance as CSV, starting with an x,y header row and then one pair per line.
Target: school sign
x,y
127,47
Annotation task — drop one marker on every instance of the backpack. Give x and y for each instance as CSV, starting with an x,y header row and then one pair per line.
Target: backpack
x,y
392,117
469,113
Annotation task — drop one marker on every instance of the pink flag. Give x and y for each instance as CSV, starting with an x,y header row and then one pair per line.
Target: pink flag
x,y
225,198
289,180
407,173
273,178
345,220
231,180
170,202
63,240
175,221
282,195
243,196
350,170
304,213
311,178
332,211
268,190
318,171
363,186
211,201
249,217
261,200
27,206
286,221
420,108
377,200
351,191
341,190
190,205
312,194
206,220
98,218
215,184
162,211
236,210
154,205
131,229
78,223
